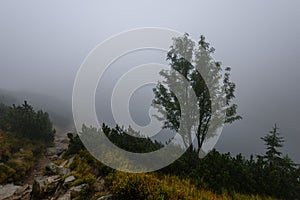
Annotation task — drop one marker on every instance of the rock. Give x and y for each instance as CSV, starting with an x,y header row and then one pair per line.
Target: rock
x,y
62,139
55,151
51,151
63,171
68,180
70,161
13,192
8,191
45,185
107,197
24,193
53,169
66,196
76,190
99,185
63,164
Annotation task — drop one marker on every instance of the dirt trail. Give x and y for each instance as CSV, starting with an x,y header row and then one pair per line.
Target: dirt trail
x,y
60,141
37,170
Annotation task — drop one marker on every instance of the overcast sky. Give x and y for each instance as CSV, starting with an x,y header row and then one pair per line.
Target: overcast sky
x,y
43,43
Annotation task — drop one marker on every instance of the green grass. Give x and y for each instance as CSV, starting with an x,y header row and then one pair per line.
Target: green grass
x,y
151,186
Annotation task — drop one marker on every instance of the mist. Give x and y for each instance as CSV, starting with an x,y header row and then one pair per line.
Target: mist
x,y
43,44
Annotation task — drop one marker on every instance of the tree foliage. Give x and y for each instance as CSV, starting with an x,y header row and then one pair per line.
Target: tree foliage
x,y
273,141
186,58
27,122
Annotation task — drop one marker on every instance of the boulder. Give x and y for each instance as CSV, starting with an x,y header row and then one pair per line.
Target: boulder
x,y
24,193
45,185
14,192
7,191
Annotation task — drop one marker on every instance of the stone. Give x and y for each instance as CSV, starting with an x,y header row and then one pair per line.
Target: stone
x,y
13,192
24,193
66,196
53,169
76,190
63,171
63,164
69,180
8,191
51,151
70,161
45,185
107,197
99,185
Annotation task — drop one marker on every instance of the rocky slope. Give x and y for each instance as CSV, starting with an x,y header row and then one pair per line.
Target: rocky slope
x,y
51,179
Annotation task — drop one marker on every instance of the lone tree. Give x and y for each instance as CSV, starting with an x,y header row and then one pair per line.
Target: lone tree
x,y
279,170
273,141
187,58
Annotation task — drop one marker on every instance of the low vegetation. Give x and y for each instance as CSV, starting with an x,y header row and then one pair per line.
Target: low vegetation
x,y
17,156
216,176
26,122
154,186
213,177
24,135
88,170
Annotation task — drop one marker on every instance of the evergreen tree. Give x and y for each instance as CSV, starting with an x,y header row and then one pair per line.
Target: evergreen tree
x,y
273,141
278,170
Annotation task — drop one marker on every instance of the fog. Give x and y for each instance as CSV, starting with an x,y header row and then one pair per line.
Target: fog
x,y
43,43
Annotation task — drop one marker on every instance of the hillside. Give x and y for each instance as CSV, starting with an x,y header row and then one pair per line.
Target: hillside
x,y
39,163
80,176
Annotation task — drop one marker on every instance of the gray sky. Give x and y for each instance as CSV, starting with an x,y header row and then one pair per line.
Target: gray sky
x,y
43,43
